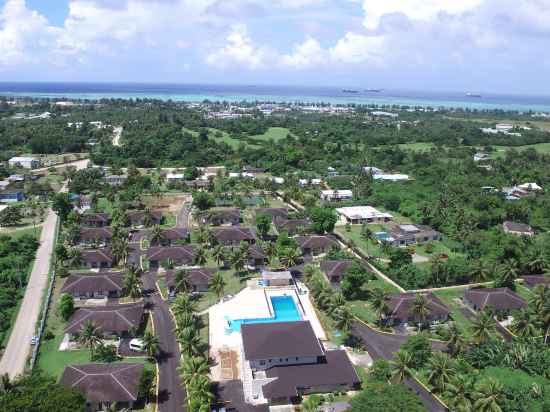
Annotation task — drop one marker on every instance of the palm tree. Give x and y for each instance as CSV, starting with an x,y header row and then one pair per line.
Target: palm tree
x,y
239,259
480,271
121,250
309,272
271,250
156,235
186,320
182,282
290,257
74,257
132,282
189,340
344,318
193,367
183,304
489,396
200,257
401,366
218,254
482,327
544,317
147,217
459,392
337,301
441,370
537,262
5,384
200,395
524,323
367,235
150,344
455,341
89,336
217,285
420,309
379,302
541,294
507,274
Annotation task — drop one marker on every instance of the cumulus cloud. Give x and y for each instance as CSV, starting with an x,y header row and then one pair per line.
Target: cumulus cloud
x,y
305,55
239,50
359,48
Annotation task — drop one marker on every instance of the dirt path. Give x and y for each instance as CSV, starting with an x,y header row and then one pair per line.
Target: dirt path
x,y
117,132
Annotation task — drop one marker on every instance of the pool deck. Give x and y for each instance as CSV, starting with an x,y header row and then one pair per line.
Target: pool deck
x,y
252,303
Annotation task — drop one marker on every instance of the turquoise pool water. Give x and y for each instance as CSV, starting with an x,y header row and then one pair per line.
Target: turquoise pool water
x,y
285,311
382,235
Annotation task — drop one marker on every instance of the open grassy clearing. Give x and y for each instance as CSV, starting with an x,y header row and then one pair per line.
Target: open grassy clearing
x,y
273,133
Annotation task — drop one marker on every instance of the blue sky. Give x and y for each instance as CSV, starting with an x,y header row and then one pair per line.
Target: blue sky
x,y
475,45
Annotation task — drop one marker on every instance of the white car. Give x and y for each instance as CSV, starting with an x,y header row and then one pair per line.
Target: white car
x,y
136,345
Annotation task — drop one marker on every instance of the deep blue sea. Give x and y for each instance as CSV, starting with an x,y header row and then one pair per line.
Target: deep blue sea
x,y
233,93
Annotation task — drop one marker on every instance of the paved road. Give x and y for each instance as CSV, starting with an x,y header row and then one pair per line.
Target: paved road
x,y
171,391
117,132
383,345
183,217
18,349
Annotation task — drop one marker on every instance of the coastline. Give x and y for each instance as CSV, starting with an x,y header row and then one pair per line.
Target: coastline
x,y
273,94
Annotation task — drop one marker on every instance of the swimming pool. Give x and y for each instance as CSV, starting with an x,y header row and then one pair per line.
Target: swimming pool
x,y
284,308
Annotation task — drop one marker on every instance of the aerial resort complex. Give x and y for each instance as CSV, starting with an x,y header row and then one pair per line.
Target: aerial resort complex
x,y
205,210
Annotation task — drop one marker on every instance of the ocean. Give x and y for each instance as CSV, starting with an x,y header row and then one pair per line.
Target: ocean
x,y
288,94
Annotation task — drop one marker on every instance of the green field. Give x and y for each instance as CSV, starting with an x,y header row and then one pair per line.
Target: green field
x,y
273,133
539,147
417,147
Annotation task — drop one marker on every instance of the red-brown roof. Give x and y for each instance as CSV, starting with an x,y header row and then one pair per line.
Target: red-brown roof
x,y
234,233
97,256
401,306
198,276
335,269
184,253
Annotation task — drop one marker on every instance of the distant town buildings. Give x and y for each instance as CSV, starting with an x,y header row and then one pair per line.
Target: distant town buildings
x,y
24,162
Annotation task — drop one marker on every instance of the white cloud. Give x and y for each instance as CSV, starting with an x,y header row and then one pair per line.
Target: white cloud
x,y
305,55
414,9
359,48
24,34
239,50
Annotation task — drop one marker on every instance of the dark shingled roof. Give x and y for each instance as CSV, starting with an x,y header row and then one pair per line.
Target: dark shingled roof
x,y
335,268
497,298
179,253
534,280
175,234
401,306
517,227
280,340
91,233
97,256
93,282
274,212
226,213
197,277
291,226
223,234
138,215
315,242
337,370
256,252
109,319
100,382
91,218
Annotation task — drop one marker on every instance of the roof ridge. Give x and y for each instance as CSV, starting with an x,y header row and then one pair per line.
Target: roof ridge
x,y
121,385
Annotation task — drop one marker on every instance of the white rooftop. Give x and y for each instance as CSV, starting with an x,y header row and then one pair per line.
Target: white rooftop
x,y
530,186
392,177
344,192
22,159
362,212
3,207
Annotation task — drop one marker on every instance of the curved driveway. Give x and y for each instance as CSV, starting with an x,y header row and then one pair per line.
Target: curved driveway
x,y
384,345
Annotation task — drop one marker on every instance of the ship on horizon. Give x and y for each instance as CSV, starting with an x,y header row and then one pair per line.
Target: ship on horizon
x,y
374,90
469,94
349,91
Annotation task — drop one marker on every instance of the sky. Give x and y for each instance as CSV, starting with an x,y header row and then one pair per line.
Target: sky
x,y
471,45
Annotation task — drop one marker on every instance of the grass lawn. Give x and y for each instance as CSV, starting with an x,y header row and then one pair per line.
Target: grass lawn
x,y
417,147
363,311
355,234
524,291
169,220
103,205
448,297
273,133
275,202
234,284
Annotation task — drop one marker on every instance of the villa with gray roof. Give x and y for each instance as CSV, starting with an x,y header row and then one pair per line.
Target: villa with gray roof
x,y
499,299
94,285
104,384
